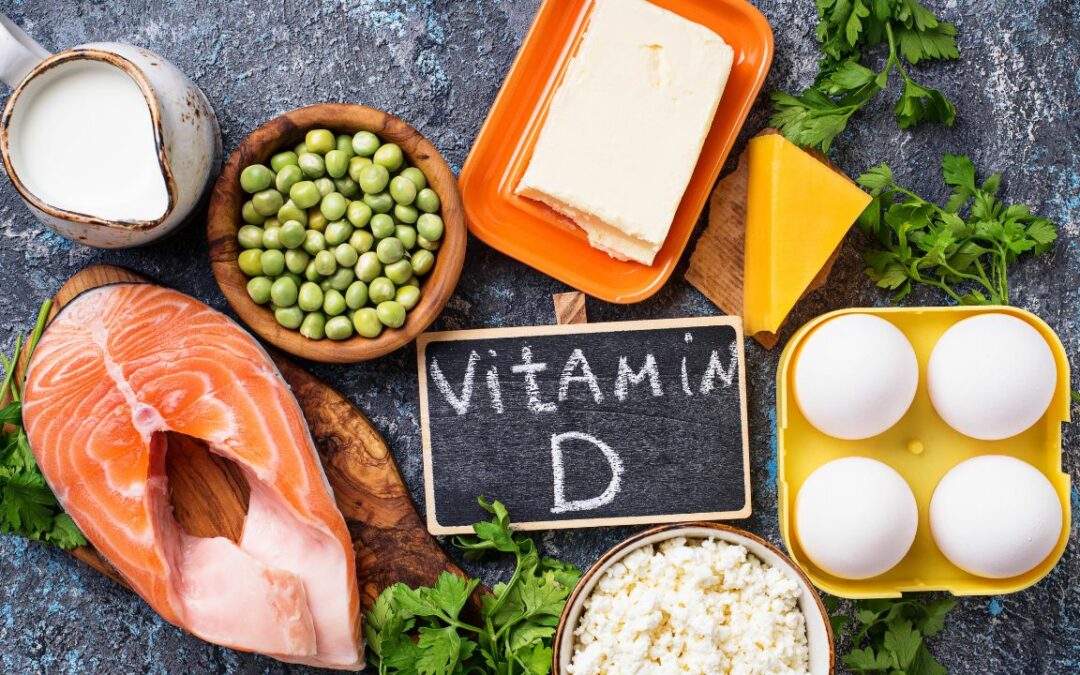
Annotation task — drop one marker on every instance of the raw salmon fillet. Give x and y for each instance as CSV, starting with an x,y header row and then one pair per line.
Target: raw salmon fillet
x,y
122,365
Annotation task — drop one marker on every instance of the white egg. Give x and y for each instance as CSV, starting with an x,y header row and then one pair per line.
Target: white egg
x,y
855,376
855,517
991,376
995,516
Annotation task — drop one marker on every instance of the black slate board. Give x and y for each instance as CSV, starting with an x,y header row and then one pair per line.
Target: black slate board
x,y
679,455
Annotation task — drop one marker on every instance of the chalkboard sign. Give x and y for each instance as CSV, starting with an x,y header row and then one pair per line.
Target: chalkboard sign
x,y
587,424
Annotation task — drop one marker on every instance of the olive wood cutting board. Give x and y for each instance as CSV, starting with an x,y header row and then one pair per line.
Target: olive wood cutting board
x,y
209,494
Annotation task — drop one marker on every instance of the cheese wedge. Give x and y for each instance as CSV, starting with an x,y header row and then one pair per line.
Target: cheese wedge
x,y
798,210
625,127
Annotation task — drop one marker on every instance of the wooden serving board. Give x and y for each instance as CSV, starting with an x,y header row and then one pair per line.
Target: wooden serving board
x,y
209,494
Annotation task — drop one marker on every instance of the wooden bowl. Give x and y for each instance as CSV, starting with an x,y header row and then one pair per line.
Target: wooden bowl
x,y
819,635
224,221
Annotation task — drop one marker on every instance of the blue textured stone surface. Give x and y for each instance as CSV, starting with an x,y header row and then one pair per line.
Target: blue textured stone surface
x,y
438,64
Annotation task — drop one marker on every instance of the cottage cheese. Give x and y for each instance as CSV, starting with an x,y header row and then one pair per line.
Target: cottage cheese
x,y
691,606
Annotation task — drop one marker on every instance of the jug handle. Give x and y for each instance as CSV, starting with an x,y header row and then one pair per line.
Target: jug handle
x,y
19,52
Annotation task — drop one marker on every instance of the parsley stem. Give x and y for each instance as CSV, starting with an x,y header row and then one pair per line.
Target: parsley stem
x,y
9,372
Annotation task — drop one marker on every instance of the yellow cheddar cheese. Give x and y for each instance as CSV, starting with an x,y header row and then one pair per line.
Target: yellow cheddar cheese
x,y
798,210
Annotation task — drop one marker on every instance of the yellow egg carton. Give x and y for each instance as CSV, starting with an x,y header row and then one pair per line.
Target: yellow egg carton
x,y
922,448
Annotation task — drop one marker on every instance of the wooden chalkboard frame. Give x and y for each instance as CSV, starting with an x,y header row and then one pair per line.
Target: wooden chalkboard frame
x,y
422,342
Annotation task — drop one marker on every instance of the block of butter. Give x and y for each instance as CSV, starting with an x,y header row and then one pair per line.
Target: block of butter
x,y
626,125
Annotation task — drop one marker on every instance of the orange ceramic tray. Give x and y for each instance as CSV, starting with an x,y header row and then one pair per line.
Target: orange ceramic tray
x,y
537,235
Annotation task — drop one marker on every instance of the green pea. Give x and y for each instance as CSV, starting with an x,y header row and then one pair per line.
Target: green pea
x,y
407,297
304,194
356,166
365,143
289,176
333,302
296,279
430,227
312,165
399,272
272,238
271,222
296,260
427,201
390,156
290,211
325,263
344,144
361,241
310,297
339,328
250,262
289,317
282,160
356,296
391,313
314,242
321,141
380,202
358,213
273,262
301,148
292,234
367,268
267,202
314,326
337,163
406,235
347,186
316,220
402,190
346,255
256,178
366,321
333,206
324,285
416,176
390,250
338,232
374,178
250,236
342,278
382,226
414,282
381,289
324,185
425,243
283,292
310,273
422,262
258,289
406,214
250,215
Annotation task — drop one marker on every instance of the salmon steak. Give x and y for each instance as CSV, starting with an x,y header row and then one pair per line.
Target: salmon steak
x,y
117,370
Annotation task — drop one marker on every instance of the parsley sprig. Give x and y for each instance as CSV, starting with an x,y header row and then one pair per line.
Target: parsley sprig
x,y
922,242
844,85
27,506
888,636
422,631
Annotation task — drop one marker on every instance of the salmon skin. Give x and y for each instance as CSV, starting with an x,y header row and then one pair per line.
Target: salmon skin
x,y
118,368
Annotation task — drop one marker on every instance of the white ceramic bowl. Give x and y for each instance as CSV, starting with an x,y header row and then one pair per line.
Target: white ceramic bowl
x,y
819,635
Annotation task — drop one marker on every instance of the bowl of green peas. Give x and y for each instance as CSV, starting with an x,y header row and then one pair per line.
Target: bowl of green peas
x,y
336,232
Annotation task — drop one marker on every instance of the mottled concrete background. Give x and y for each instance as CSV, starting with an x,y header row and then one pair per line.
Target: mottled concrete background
x,y
438,64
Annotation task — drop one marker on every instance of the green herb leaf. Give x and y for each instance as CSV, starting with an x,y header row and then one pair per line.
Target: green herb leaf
x,y
27,506
421,630
965,256
844,85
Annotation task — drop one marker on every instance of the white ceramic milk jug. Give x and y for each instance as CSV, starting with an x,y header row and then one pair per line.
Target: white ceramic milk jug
x,y
109,144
